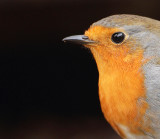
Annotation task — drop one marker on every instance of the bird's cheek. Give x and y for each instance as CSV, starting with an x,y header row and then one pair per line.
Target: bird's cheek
x,y
107,45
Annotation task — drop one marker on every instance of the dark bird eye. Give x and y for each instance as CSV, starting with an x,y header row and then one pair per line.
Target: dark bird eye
x,y
118,37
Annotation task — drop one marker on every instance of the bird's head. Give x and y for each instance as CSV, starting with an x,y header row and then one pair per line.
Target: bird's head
x,y
121,37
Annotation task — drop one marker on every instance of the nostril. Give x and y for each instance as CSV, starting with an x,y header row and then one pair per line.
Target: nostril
x,y
85,37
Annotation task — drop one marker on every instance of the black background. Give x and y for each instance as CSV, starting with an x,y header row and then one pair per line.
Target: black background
x,y
49,89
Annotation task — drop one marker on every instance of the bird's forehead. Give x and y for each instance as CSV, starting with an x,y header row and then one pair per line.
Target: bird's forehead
x,y
121,20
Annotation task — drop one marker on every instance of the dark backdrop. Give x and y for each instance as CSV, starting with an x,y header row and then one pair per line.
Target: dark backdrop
x,y
48,89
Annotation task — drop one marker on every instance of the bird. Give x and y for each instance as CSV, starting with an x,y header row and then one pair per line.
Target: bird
x,y
126,49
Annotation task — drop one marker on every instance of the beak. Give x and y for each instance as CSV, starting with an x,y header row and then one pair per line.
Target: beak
x,y
79,39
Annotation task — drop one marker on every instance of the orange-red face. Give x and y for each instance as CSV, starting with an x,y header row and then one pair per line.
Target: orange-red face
x,y
104,43
105,48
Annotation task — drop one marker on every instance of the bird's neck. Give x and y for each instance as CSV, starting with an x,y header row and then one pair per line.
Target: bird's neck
x,y
121,86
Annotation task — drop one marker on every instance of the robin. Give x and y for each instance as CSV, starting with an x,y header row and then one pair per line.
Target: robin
x,y
127,52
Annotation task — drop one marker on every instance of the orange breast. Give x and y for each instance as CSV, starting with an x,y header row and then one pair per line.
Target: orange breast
x,y
121,91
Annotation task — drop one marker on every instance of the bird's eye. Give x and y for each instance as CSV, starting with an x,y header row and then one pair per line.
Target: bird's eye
x,y
118,37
